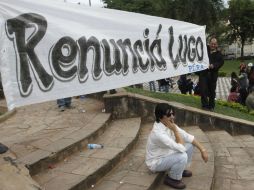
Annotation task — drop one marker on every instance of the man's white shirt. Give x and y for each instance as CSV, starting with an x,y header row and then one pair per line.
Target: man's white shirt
x,y
162,142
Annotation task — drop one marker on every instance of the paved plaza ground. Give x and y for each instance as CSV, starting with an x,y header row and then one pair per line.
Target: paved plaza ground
x,y
52,144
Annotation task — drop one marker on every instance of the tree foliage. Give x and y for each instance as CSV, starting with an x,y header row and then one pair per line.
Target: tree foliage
x,y
241,21
139,6
202,12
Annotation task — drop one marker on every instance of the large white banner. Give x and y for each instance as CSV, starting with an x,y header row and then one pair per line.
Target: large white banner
x,y
50,49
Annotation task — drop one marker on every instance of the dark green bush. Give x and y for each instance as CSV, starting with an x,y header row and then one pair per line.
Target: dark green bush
x,y
234,105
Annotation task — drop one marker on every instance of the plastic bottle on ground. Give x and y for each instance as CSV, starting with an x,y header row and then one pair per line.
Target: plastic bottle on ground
x,y
94,146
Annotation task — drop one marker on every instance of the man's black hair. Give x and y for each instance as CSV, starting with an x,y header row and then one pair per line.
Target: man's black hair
x,y
160,110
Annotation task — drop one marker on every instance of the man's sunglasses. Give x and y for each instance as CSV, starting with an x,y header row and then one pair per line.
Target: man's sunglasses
x,y
169,114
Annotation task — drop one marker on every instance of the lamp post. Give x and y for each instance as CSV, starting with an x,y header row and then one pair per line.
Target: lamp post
x,y
90,3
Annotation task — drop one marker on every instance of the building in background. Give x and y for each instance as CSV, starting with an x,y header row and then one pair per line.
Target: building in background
x,y
233,50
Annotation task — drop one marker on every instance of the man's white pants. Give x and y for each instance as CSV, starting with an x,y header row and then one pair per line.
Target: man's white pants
x,y
175,163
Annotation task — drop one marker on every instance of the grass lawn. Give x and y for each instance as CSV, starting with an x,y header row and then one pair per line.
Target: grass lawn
x,y
192,101
232,65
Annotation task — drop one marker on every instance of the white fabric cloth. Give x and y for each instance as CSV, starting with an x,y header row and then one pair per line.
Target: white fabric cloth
x,y
161,143
48,46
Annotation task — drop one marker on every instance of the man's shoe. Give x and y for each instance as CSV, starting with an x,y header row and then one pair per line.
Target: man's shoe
x,y
177,184
187,173
3,148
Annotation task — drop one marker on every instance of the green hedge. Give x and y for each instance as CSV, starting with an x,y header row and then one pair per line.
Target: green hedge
x,y
236,106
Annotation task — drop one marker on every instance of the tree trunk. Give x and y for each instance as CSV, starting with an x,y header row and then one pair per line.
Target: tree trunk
x,y
242,48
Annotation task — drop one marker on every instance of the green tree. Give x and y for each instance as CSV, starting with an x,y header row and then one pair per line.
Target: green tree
x,y
241,22
138,6
202,12
165,8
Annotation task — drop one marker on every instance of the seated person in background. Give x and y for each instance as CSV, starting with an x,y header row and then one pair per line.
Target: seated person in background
x,y
185,85
163,85
233,95
171,83
249,66
234,80
243,84
169,148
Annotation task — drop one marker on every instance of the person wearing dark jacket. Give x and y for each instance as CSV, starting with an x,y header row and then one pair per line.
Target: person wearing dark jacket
x,y
208,78
163,85
185,85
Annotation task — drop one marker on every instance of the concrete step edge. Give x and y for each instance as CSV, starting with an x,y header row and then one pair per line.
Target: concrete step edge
x,y
232,157
88,180
39,160
134,155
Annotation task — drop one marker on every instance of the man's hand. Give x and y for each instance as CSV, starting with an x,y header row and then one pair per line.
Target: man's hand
x,y
202,150
204,155
211,66
168,124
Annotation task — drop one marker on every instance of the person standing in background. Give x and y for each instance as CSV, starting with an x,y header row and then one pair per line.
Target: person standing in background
x,y
163,85
64,103
185,85
152,86
208,78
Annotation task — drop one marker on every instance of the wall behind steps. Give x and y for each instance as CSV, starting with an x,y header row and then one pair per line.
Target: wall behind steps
x,y
125,105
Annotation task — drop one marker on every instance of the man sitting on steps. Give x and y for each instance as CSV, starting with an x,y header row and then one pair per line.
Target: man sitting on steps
x,y
169,148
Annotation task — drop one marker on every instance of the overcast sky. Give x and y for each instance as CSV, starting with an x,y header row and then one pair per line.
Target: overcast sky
x,y
226,3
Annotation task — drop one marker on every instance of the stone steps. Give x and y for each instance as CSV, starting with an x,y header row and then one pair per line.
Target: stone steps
x,y
84,168
248,141
133,174
234,163
40,159
51,144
